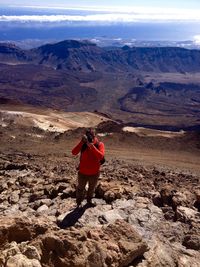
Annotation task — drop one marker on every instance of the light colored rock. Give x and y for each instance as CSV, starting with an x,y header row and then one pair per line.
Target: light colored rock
x,y
109,216
20,260
32,253
185,214
115,245
42,208
14,197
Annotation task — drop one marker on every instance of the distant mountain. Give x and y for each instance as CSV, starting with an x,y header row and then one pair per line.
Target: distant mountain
x,y
157,86
85,56
11,53
74,55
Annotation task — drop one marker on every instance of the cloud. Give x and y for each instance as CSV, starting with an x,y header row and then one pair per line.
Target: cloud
x,y
118,15
197,39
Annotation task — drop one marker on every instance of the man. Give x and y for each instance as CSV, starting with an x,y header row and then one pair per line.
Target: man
x,y
91,154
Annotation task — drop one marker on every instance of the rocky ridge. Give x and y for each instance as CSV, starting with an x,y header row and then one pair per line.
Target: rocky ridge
x,y
143,216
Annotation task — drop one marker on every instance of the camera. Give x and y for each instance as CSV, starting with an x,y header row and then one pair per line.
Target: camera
x,y
89,137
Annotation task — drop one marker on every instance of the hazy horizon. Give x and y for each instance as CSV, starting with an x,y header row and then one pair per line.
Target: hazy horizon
x,y
145,20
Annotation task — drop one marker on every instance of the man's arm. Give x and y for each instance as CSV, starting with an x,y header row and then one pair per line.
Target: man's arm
x,y
77,148
98,152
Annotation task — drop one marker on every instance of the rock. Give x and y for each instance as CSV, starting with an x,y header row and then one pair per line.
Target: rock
x,y
20,260
171,255
38,203
13,256
156,198
146,217
21,229
192,241
187,215
14,197
181,199
197,193
109,217
32,253
12,250
166,194
197,201
169,213
35,196
111,191
42,208
115,245
68,192
186,257
160,254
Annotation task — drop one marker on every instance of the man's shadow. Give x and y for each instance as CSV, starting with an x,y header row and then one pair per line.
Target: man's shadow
x,y
71,218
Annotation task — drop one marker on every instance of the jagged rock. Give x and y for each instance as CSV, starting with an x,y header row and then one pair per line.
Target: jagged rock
x,y
42,208
187,215
38,203
36,196
125,191
14,197
21,229
31,253
109,217
197,201
68,192
3,186
171,255
20,260
179,199
156,198
192,241
111,191
169,213
115,245
166,194
14,256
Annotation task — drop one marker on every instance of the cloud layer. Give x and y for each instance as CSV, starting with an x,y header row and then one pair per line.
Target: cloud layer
x,y
116,15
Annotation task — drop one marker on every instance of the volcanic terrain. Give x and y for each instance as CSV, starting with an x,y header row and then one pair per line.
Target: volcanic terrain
x,y
157,87
147,200
145,105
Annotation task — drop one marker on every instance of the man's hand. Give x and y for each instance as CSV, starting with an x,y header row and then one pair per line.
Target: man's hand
x,y
90,145
84,139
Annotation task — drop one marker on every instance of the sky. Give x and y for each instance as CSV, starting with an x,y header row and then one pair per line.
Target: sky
x,y
185,14
81,3
111,11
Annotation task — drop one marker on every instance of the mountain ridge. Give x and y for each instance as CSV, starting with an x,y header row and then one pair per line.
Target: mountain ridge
x,y
141,86
87,56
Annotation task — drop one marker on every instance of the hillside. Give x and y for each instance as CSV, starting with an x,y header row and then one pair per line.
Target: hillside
x,y
157,87
147,200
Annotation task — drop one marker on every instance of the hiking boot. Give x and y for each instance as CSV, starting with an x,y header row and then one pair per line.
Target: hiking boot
x,y
78,204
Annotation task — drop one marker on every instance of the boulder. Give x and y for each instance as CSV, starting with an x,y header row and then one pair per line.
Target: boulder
x,y
43,208
166,194
14,256
164,254
111,191
20,260
179,199
115,245
187,215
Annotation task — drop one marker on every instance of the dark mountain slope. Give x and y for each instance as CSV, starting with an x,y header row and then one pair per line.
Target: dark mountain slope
x,y
87,57
74,55
145,86
11,53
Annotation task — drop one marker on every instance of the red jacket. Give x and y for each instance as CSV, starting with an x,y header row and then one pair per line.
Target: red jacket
x,y
90,157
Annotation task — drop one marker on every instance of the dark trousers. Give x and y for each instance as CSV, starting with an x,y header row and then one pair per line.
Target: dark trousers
x,y
82,181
